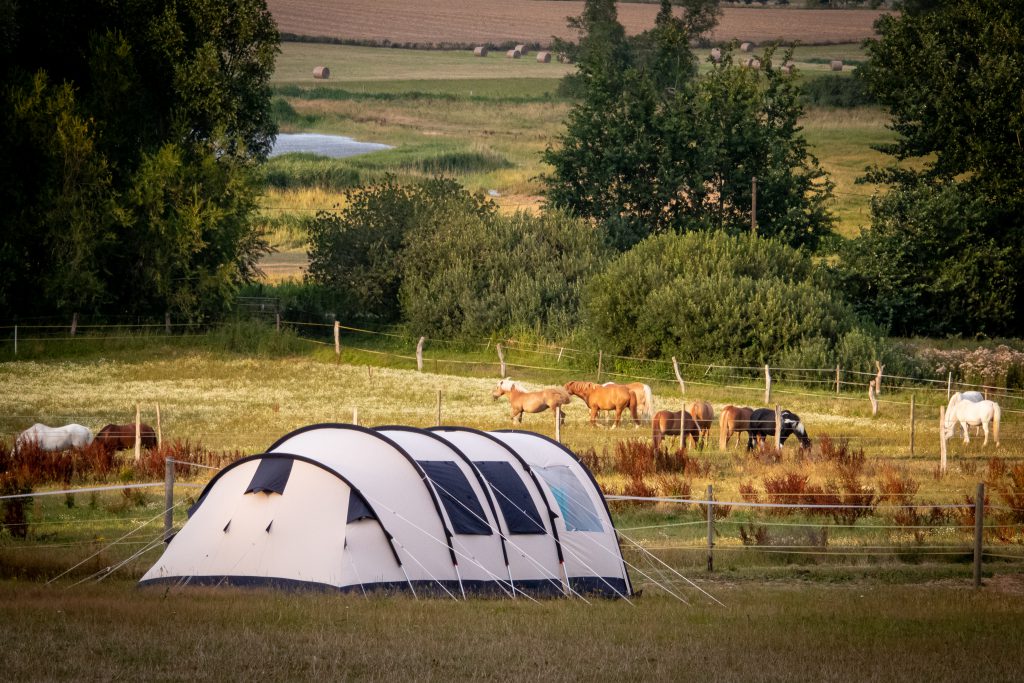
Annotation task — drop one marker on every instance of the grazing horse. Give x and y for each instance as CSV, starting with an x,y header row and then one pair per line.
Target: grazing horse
x,y
644,398
974,414
733,421
703,415
667,423
522,401
55,438
762,425
122,437
617,397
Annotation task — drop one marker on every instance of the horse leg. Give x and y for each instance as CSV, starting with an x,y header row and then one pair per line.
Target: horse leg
x,y
984,426
967,436
593,417
618,417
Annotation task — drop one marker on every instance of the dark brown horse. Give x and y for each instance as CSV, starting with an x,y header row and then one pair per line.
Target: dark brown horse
x,y
616,397
734,420
122,437
666,423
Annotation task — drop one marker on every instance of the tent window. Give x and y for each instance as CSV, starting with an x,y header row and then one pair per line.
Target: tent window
x,y
578,511
516,504
457,496
358,509
271,476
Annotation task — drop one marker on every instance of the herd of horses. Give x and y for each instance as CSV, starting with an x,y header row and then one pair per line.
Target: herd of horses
x,y
693,425
113,437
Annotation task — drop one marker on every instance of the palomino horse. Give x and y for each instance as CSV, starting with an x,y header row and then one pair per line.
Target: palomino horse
x,y
972,413
617,397
666,423
644,398
55,438
703,415
733,421
122,437
762,425
522,401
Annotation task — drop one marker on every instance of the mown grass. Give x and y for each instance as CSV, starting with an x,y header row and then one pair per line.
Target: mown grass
x,y
796,632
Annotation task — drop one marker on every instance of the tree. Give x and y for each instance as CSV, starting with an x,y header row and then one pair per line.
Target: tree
x,y
951,74
170,108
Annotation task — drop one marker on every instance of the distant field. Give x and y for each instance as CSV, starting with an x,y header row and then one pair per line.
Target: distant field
x,y
450,22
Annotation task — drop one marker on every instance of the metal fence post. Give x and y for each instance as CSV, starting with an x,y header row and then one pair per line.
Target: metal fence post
x,y
168,497
711,528
979,531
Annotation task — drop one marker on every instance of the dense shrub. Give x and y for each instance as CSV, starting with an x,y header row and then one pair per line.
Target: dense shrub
x,y
710,297
837,91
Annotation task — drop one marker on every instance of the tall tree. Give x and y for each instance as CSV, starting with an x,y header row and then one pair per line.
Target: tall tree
x,y
951,73
172,106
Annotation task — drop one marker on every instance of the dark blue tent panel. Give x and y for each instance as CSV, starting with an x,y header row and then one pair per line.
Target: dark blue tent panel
x,y
358,509
457,496
271,476
521,515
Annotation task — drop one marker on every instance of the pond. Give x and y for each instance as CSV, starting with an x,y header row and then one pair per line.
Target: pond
x,y
333,146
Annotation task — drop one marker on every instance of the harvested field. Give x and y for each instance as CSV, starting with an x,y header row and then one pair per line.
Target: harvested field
x,y
451,23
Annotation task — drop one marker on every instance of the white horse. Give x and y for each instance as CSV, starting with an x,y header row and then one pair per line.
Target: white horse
x,y
974,413
55,438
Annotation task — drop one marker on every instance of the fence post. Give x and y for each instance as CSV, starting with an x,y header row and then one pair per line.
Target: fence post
x,y
138,433
912,418
419,355
878,378
15,340
942,439
767,385
711,528
167,322
838,383
558,424
600,360
355,415
778,428
159,431
277,321
949,384
501,358
979,531
337,340
74,324
438,423
679,377
873,397
168,497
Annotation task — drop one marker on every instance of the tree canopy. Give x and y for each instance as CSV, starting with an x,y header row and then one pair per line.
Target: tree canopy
x,y
130,130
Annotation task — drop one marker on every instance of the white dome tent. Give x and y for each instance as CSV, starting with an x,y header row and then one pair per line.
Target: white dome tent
x,y
450,511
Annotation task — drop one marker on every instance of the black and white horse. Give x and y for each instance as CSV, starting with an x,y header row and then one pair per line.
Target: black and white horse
x,y
762,425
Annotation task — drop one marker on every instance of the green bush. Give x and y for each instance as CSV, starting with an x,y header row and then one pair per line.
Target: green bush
x,y
837,91
706,297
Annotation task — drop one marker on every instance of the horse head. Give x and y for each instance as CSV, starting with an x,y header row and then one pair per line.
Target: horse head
x,y
503,387
792,424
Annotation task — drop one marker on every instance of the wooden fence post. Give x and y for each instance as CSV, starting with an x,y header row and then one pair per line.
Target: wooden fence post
x,y
438,423
159,433
355,415
419,354
168,497
600,359
558,424
167,322
138,432
501,359
74,324
912,425
838,382
949,384
679,377
337,340
778,428
873,397
942,439
711,528
979,531
277,321
878,378
15,340
767,385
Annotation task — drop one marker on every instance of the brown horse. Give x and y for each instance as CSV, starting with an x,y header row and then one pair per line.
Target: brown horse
x,y
616,397
733,421
530,401
644,397
666,423
703,415
122,437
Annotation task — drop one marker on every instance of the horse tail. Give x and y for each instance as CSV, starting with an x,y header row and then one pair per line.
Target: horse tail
x,y
996,414
723,433
648,402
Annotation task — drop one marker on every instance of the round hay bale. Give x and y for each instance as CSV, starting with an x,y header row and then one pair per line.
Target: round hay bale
x,y
564,58
837,65
544,57
480,51
747,47
322,72
787,68
513,54
753,63
523,50
716,55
